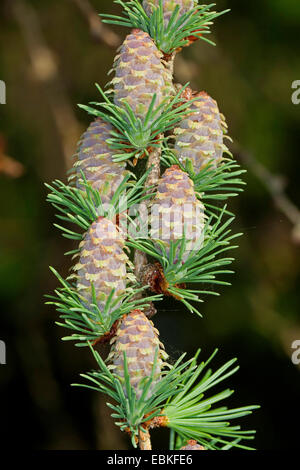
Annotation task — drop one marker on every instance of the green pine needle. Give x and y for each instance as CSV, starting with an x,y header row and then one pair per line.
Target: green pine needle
x,y
211,184
82,208
132,136
130,412
173,36
193,416
180,397
203,265
86,322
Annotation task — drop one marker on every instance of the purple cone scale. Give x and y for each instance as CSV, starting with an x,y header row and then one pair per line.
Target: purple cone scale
x,y
137,336
192,445
176,211
95,161
200,136
168,7
139,74
102,262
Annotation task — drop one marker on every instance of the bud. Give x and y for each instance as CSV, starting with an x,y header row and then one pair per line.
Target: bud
x,y
176,212
95,161
200,136
139,74
137,336
102,262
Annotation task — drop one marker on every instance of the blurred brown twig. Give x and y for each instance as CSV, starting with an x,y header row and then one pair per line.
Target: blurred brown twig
x,y
9,166
99,31
275,185
46,72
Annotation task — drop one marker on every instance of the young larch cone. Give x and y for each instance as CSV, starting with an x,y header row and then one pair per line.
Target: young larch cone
x,y
102,262
168,7
137,336
200,136
176,212
139,74
192,445
95,160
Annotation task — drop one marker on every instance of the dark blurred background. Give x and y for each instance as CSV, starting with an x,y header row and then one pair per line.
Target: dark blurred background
x,y
52,53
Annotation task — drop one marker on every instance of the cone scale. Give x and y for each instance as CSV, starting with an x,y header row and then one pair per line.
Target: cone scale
x,y
192,445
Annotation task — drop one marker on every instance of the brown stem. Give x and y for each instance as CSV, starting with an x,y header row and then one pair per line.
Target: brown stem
x,y
140,258
144,440
169,62
154,162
